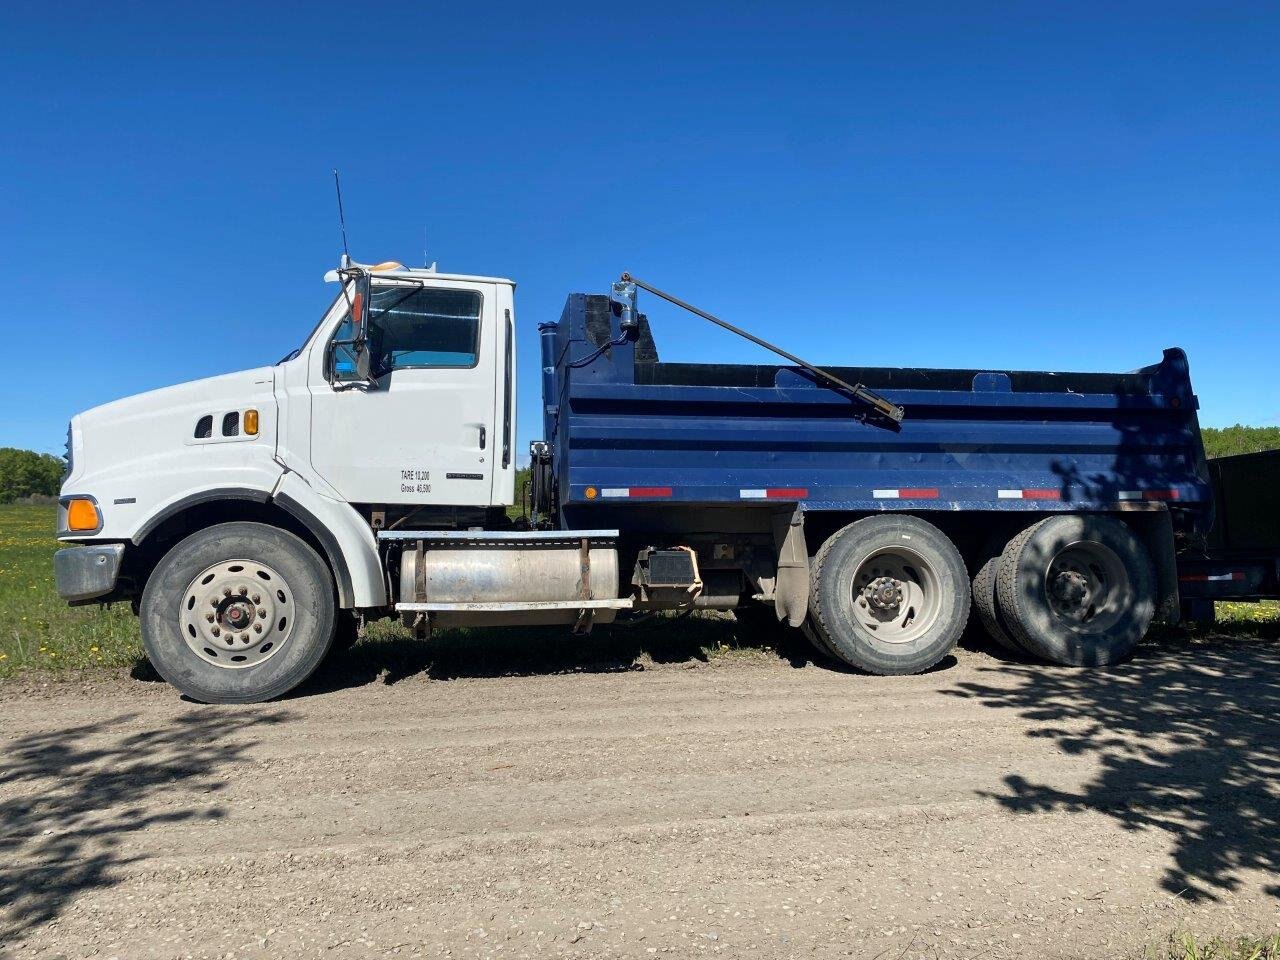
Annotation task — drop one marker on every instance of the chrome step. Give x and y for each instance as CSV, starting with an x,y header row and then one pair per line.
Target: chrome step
x,y
510,606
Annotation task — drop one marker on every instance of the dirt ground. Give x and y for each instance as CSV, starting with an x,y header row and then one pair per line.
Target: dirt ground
x,y
633,800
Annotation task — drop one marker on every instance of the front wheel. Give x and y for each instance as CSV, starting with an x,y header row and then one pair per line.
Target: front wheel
x,y
890,594
238,613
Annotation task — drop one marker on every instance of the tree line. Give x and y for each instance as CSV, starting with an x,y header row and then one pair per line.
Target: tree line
x,y
24,473
1228,441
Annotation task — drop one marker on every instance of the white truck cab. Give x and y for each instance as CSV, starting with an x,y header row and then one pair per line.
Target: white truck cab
x,y
400,402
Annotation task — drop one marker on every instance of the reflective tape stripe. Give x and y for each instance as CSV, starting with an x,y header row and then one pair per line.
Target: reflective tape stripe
x,y
1148,495
615,492
907,493
649,491
775,493
1029,494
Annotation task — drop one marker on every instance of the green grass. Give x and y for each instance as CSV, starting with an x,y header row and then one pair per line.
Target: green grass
x,y
40,633
1187,947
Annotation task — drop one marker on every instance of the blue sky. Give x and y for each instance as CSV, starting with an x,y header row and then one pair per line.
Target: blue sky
x,y
1036,185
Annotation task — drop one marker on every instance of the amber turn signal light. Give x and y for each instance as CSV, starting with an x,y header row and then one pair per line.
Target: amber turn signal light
x,y
83,515
251,422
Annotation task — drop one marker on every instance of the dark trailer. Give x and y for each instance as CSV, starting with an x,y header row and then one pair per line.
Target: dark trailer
x,y
1063,502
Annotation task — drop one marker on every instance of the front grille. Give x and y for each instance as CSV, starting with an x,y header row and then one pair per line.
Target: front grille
x,y
67,457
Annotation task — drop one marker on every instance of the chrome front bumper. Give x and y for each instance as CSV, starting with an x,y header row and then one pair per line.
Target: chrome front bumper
x,y
84,573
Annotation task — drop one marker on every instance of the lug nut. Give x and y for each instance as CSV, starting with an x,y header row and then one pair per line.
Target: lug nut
x,y
257,628
262,613
226,591
244,591
256,598
209,617
244,637
216,632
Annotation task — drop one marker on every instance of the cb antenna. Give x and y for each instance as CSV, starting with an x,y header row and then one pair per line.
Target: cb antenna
x,y
342,220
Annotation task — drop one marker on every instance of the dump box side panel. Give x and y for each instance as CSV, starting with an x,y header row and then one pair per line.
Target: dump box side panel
x,y
623,430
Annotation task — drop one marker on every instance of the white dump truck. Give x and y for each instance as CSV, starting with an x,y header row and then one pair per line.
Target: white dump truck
x,y
254,520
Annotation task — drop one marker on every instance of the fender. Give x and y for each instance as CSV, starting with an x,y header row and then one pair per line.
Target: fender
x,y
175,507
346,537
348,543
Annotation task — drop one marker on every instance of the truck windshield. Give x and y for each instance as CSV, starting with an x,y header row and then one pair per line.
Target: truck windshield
x,y
293,354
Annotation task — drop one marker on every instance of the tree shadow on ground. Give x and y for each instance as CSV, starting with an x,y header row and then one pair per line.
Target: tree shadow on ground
x,y
390,655
1187,738
74,795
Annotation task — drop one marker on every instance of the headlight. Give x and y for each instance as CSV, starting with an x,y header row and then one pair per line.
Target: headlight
x,y
83,515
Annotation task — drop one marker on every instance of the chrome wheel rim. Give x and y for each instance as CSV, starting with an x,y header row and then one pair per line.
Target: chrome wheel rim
x,y
1087,587
237,614
896,595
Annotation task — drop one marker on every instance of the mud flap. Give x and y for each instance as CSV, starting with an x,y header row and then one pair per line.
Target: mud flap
x,y
791,594
1155,530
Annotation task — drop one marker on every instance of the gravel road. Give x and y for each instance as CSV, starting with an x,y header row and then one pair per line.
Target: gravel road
x,y
604,802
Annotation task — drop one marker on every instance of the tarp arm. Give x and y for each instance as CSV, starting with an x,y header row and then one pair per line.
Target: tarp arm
x,y
886,407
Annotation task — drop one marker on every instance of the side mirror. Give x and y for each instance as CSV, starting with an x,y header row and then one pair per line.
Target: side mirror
x,y
362,362
349,358
360,298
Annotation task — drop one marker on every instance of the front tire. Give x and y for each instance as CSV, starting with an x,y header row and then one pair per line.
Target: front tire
x,y
890,594
238,613
1077,589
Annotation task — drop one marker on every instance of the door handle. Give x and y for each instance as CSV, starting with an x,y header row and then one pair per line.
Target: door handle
x,y
482,438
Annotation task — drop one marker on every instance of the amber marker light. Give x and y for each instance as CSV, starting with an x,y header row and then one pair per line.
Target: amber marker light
x,y
251,422
591,493
82,515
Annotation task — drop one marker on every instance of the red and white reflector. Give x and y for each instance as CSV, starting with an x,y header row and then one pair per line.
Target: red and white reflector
x,y
1030,494
1211,577
775,493
1148,495
635,492
907,493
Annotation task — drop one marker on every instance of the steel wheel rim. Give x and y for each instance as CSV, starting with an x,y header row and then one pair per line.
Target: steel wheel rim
x,y
236,614
897,596
1087,587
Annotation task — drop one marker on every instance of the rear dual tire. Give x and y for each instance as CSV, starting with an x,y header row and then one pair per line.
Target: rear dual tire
x,y
1073,589
985,602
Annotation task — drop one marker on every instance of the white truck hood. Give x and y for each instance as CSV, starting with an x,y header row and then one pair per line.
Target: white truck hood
x,y
154,432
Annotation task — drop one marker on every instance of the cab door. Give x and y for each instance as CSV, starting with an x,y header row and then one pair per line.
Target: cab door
x,y
422,429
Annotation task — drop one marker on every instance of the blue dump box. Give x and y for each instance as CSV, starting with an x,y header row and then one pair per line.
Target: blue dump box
x,y
623,426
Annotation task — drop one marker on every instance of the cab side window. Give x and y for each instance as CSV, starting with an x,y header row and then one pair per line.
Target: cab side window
x,y
416,328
